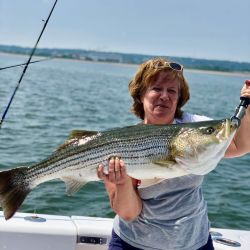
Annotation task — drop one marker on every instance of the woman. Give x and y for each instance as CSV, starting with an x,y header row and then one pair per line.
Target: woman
x,y
163,214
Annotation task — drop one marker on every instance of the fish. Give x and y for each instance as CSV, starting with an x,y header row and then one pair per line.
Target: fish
x,y
148,151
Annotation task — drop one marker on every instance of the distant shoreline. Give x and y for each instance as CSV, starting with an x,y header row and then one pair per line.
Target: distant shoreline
x,y
192,70
214,72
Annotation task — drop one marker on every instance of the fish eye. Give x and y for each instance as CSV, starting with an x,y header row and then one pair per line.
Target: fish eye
x,y
210,130
207,130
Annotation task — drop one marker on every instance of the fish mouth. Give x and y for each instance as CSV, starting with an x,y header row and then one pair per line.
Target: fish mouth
x,y
227,131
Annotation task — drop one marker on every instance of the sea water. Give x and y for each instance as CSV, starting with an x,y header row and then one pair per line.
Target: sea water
x,y
58,96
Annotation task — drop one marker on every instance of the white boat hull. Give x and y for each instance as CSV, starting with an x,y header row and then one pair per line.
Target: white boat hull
x,y
46,232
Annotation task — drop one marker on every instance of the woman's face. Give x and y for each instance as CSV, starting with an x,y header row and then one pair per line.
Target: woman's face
x,y
160,100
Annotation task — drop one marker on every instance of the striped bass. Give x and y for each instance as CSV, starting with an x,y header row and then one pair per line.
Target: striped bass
x,y
148,151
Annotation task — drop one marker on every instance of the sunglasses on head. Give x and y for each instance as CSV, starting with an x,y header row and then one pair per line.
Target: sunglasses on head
x,y
173,65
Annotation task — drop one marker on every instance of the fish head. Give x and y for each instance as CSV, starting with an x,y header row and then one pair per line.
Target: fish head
x,y
198,147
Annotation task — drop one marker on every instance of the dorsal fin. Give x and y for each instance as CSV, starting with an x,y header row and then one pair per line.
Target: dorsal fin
x,y
77,137
81,134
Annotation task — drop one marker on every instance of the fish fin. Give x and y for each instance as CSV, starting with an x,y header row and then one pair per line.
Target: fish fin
x,y
80,134
164,163
77,137
13,190
72,185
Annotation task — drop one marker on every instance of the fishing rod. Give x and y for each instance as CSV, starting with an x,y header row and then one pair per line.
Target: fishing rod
x,y
26,65
21,64
240,110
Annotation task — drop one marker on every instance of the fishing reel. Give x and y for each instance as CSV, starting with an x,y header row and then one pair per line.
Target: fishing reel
x,y
240,111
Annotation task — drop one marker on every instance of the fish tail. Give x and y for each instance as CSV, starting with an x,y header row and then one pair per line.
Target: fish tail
x,y
14,188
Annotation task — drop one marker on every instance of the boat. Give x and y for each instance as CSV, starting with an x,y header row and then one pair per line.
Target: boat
x,y
27,231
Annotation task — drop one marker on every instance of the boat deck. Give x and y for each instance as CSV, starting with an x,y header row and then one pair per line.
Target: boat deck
x,y
43,232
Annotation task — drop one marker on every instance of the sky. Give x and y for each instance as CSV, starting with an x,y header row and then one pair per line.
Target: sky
x,y
212,29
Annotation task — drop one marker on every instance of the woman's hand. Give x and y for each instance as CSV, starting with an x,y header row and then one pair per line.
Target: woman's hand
x,y
245,91
240,144
116,172
122,189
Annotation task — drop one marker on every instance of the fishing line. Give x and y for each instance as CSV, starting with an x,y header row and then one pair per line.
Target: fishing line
x,y
21,64
26,65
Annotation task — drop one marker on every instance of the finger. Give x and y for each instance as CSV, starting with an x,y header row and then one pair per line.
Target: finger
x,y
245,93
117,169
112,169
123,169
100,172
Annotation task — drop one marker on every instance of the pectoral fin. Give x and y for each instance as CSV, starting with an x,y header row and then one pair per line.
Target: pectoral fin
x,y
164,163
